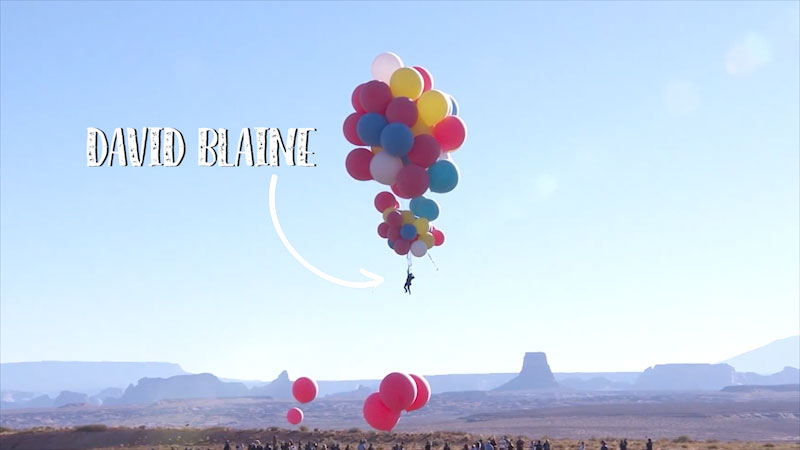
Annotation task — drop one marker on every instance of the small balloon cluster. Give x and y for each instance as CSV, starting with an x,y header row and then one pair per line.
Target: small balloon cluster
x,y
304,390
398,392
411,130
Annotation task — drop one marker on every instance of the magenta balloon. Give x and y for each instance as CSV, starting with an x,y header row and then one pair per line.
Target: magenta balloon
x,y
450,132
393,233
425,151
427,78
349,128
304,389
438,237
398,390
412,181
403,110
294,416
423,393
357,164
399,193
383,230
385,200
401,246
394,219
356,101
374,96
378,415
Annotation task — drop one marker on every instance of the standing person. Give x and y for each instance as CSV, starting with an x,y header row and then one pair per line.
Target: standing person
x,y
649,445
623,445
581,446
489,445
227,445
539,445
503,445
446,445
361,445
533,445
603,445
546,445
428,445
520,444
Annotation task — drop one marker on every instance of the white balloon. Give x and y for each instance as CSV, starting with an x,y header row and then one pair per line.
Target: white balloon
x,y
418,248
384,168
384,66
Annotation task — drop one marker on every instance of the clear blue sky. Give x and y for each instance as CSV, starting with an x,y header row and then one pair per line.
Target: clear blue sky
x,y
629,191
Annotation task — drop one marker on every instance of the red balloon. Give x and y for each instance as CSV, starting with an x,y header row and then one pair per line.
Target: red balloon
x,y
438,237
450,132
403,110
294,416
304,389
425,151
398,390
383,230
379,416
374,96
398,192
412,180
349,128
394,219
401,246
385,200
427,78
356,101
423,393
393,233
357,164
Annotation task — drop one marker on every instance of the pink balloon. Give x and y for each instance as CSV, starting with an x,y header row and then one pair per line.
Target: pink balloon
x,y
398,390
349,128
427,78
357,164
425,151
385,200
356,101
394,219
403,110
294,416
304,389
374,96
450,132
423,393
412,181
393,233
379,416
383,230
401,246
438,237
398,192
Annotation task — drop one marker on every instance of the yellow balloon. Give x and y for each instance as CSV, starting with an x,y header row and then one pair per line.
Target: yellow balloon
x,y
421,224
433,106
427,238
420,128
406,82
387,211
408,217
376,150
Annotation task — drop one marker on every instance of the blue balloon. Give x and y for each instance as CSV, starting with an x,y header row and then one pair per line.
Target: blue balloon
x,y
408,232
424,207
396,138
391,244
369,128
443,176
415,204
453,105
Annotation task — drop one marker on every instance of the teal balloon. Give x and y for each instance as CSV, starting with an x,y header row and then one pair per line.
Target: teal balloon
x,y
443,176
424,207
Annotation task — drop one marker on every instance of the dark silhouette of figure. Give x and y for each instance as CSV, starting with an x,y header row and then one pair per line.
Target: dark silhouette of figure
x,y
649,445
546,445
603,445
407,286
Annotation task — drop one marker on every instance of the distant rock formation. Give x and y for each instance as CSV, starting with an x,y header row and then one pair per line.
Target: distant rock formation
x,y
756,388
686,377
204,385
789,375
595,384
535,374
279,388
361,393
70,398
769,358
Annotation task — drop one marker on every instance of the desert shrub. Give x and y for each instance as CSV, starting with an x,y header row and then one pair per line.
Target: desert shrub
x,y
273,429
354,430
5,430
769,445
91,428
681,439
304,428
712,447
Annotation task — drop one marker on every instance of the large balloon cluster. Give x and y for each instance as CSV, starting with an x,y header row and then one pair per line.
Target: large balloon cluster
x,y
304,390
398,392
411,130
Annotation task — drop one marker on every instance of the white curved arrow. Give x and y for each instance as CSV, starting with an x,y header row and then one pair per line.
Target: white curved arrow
x,y
375,280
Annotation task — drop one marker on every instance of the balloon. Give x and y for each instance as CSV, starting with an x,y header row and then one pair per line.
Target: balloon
x,y
453,106
433,106
408,232
393,234
408,216
369,128
294,416
385,200
378,415
443,175
423,393
418,249
397,139
427,238
421,225
406,82
402,110
412,180
384,168
450,133
304,390
357,164
420,127
438,237
384,65
356,101
398,192
425,151
424,207
350,129
398,390
374,96
383,230
387,211
391,243
401,246
395,219
427,78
